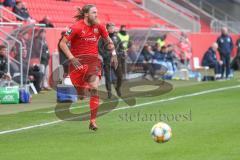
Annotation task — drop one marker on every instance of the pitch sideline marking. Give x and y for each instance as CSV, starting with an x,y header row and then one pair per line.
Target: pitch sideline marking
x,y
84,106
127,107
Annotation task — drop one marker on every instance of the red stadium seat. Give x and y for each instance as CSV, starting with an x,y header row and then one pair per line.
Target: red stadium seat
x,y
118,11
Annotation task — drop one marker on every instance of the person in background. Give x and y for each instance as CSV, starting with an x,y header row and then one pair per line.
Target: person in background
x,y
157,48
238,45
172,57
132,54
4,64
124,37
161,55
35,76
126,43
225,47
147,55
45,56
9,3
236,61
161,40
160,62
21,10
185,50
62,57
103,51
210,60
47,22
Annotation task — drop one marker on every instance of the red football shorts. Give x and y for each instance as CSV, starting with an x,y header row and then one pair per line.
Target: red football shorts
x,y
80,77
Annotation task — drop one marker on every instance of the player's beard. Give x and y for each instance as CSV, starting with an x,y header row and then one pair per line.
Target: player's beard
x,y
93,21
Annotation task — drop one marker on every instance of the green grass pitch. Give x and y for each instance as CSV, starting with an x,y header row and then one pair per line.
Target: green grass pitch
x,y
207,128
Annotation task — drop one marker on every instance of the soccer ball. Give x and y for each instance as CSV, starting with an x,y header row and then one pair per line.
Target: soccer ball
x,y
161,132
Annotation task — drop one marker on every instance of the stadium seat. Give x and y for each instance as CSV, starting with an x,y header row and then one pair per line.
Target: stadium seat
x,y
118,11
204,70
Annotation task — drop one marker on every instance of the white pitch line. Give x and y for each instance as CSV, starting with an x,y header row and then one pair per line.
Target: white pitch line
x,y
84,106
71,108
127,107
179,97
30,127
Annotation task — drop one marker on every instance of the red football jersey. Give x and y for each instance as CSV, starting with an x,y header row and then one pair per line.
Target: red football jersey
x,y
84,38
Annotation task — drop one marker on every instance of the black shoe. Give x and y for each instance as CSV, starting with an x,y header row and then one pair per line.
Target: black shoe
x,y
109,95
93,126
118,92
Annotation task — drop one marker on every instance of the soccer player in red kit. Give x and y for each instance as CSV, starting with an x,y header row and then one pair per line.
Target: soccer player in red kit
x,y
85,67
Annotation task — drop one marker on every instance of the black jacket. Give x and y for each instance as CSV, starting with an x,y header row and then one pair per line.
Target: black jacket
x,y
147,56
209,58
22,12
225,45
45,54
3,65
102,48
238,46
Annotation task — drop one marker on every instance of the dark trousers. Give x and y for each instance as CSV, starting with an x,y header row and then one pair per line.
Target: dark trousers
x,y
236,62
117,72
226,64
38,77
148,68
217,68
122,64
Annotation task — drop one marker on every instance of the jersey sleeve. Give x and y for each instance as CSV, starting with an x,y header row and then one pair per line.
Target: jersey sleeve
x,y
71,32
103,31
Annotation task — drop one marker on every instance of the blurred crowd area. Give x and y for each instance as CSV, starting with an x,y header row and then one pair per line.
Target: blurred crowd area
x,y
25,55
151,54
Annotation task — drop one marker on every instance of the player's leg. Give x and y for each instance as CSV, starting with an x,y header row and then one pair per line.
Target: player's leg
x,y
93,81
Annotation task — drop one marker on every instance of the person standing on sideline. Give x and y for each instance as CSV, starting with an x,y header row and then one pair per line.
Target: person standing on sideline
x,y
236,61
103,51
126,43
225,47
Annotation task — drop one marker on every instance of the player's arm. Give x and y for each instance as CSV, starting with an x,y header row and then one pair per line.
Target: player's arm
x,y
65,49
63,45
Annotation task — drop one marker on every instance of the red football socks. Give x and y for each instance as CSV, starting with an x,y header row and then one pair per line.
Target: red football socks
x,y
94,103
